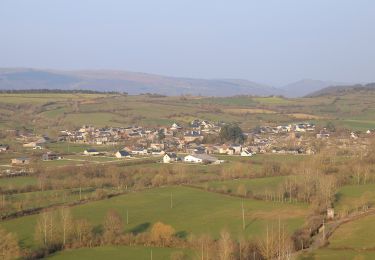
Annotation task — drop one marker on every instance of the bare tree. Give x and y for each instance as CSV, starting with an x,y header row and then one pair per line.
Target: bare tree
x,y
113,227
9,248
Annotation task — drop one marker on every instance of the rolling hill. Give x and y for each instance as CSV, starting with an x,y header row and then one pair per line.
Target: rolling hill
x,y
341,90
304,87
130,82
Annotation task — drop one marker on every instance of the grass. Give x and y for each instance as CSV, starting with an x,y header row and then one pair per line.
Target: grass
x,y
36,199
120,252
358,234
354,111
348,197
329,254
254,186
17,182
194,211
353,240
97,118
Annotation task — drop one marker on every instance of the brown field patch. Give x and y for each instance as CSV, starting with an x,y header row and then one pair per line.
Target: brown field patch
x,y
241,111
306,116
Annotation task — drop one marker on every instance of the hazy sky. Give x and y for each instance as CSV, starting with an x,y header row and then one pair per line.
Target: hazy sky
x,y
269,41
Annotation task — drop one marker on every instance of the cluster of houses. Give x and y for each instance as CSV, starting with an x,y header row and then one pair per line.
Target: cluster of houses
x,y
4,148
115,135
14,172
187,139
298,128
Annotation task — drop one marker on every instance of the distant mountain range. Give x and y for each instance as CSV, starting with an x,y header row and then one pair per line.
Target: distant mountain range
x,y
137,83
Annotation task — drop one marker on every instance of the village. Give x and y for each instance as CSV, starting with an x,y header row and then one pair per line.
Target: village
x,y
199,141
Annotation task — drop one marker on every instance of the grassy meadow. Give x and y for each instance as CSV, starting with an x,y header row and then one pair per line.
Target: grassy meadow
x,y
352,240
350,197
51,111
121,252
194,212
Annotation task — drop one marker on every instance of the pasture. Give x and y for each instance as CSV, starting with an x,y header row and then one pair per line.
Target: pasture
x,y
331,254
350,197
193,212
356,235
253,186
353,240
48,111
121,252
17,182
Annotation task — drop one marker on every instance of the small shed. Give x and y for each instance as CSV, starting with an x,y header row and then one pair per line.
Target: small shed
x,y
330,213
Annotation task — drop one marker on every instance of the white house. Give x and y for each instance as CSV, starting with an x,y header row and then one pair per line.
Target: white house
x,y
122,154
176,127
91,152
201,158
245,152
170,157
3,148
353,135
139,151
236,148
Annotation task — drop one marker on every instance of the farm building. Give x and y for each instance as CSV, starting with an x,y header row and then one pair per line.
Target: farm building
x,y
21,160
330,213
201,158
122,154
170,157
4,148
50,156
91,152
245,152
139,151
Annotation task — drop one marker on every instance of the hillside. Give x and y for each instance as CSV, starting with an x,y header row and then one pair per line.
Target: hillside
x,y
130,82
341,90
304,87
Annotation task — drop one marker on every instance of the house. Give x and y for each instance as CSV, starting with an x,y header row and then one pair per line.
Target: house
x,y
353,135
4,148
139,151
49,156
330,213
245,152
170,157
31,145
236,148
122,154
91,152
157,152
193,136
175,126
21,160
201,158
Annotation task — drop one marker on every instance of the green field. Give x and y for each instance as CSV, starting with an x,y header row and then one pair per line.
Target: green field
x,y
37,199
17,182
58,111
194,211
350,197
330,254
353,240
358,234
254,186
121,252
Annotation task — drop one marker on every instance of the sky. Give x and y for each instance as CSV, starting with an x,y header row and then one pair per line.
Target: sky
x,y
269,41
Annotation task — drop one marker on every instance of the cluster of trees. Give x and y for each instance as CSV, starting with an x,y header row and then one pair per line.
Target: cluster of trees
x,y
232,133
